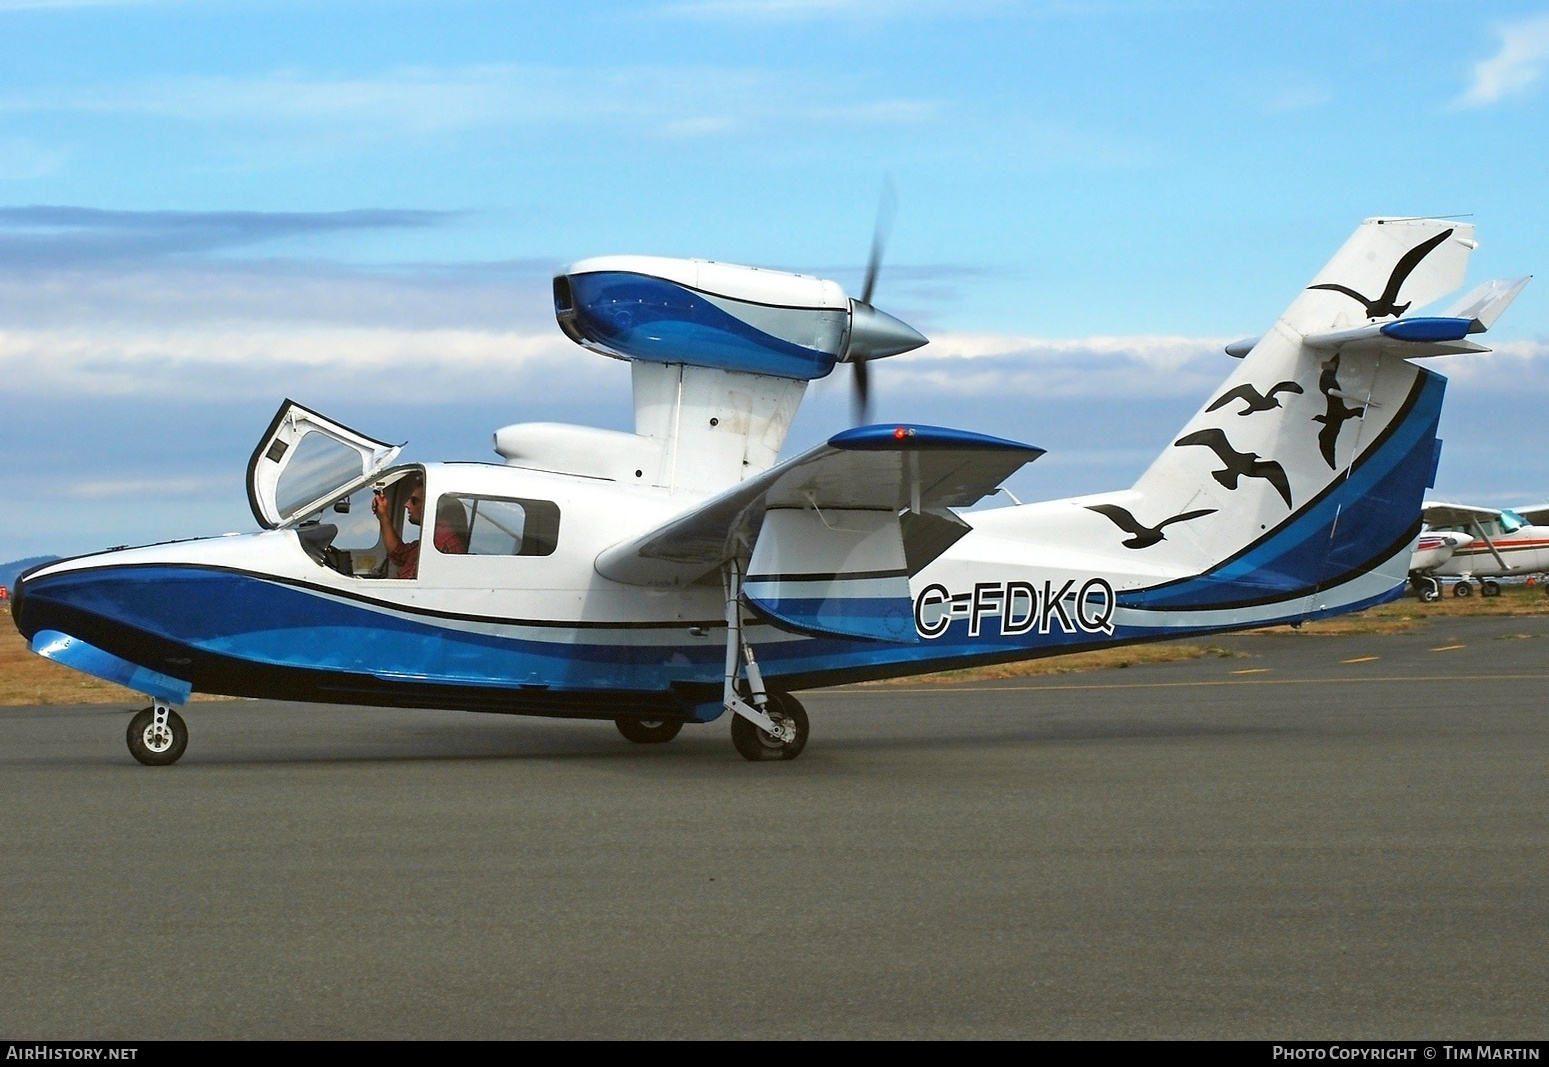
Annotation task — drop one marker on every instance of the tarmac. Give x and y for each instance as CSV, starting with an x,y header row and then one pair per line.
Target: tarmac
x,y
1317,837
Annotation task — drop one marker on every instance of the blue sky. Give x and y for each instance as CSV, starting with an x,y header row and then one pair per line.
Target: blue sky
x,y
209,205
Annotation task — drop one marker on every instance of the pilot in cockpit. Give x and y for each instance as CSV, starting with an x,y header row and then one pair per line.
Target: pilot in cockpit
x,y
451,532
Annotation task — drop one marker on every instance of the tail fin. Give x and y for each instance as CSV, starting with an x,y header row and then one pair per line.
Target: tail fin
x,y
1307,468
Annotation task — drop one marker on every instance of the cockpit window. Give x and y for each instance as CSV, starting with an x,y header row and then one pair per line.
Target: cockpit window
x,y
354,545
496,526
1511,522
319,464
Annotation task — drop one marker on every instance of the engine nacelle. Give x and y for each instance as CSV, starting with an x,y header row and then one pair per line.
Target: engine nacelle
x,y
720,315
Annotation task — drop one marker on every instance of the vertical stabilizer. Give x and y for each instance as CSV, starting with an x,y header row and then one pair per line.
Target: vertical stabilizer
x,y
1387,268
1296,488
1307,467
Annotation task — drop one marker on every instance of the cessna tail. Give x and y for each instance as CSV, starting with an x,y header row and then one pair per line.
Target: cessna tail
x,y
673,574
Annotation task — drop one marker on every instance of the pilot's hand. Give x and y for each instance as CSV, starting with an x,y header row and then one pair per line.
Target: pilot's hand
x,y
378,504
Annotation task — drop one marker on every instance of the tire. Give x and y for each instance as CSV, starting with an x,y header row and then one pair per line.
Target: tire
x,y
147,747
1430,591
754,744
1462,589
648,731
1489,588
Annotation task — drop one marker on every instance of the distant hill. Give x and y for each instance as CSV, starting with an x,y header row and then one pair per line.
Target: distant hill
x,y
9,571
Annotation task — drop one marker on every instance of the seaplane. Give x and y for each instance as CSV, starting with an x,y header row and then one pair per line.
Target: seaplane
x,y
684,572
1478,545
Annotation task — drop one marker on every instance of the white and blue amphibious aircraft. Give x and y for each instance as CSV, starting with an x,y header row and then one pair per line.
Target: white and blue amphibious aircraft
x,y
631,576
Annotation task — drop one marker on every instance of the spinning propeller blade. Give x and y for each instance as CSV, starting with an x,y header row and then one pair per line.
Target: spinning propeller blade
x,y
860,399
860,391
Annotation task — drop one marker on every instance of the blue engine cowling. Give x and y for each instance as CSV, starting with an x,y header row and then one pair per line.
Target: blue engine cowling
x,y
722,316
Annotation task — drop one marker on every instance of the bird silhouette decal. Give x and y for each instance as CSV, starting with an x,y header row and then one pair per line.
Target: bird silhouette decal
x,y
1333,419
1255,400
1238,464
1384,305
1144,536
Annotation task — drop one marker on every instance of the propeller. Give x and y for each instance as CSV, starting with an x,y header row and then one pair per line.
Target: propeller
x,y
860,386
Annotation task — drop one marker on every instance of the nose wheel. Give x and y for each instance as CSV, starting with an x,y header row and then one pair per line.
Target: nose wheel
x,y
157,735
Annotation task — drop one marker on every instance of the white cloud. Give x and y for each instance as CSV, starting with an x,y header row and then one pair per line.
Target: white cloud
x,y
974,364
216,361
154,488
1513,70
21,160
667,102
1512,367
359,362
1292,98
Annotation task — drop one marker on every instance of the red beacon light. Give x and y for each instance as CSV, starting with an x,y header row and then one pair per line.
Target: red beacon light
x,y
902,432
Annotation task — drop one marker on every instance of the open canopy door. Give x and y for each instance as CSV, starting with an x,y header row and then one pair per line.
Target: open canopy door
x,y
304,459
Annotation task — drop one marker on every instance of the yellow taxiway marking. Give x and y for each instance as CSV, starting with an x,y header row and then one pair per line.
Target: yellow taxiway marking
x,y
1447,648
1405,679
1252,670
1359,659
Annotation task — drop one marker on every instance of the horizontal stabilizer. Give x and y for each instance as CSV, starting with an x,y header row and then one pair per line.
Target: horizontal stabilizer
x,y
1482,306
1415,337
870,468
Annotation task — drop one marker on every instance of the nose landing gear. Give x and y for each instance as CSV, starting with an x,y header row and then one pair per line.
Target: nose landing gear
x,y
157,735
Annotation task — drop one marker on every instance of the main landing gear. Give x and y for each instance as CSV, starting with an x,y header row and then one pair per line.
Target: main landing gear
x,y
157,735
648,731
764,725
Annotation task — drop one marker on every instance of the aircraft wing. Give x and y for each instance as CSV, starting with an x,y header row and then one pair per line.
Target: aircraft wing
x,y
1437,514
1537,515
885,469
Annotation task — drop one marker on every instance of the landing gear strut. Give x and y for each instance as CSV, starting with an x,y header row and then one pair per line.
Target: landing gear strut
x,y
157,735
1428,589
774,725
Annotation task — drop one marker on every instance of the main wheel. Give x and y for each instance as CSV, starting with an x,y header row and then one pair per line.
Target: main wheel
x,y
1462,589
153,744
1489,588
1430,590
754,744
648,731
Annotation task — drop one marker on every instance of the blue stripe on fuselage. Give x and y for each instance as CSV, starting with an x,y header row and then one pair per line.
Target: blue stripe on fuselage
x,y
1340,532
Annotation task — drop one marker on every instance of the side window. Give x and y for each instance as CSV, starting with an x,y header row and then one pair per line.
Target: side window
x,y
496,526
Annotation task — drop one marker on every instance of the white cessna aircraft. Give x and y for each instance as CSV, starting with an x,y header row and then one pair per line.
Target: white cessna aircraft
x,y
632,576
1472,542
